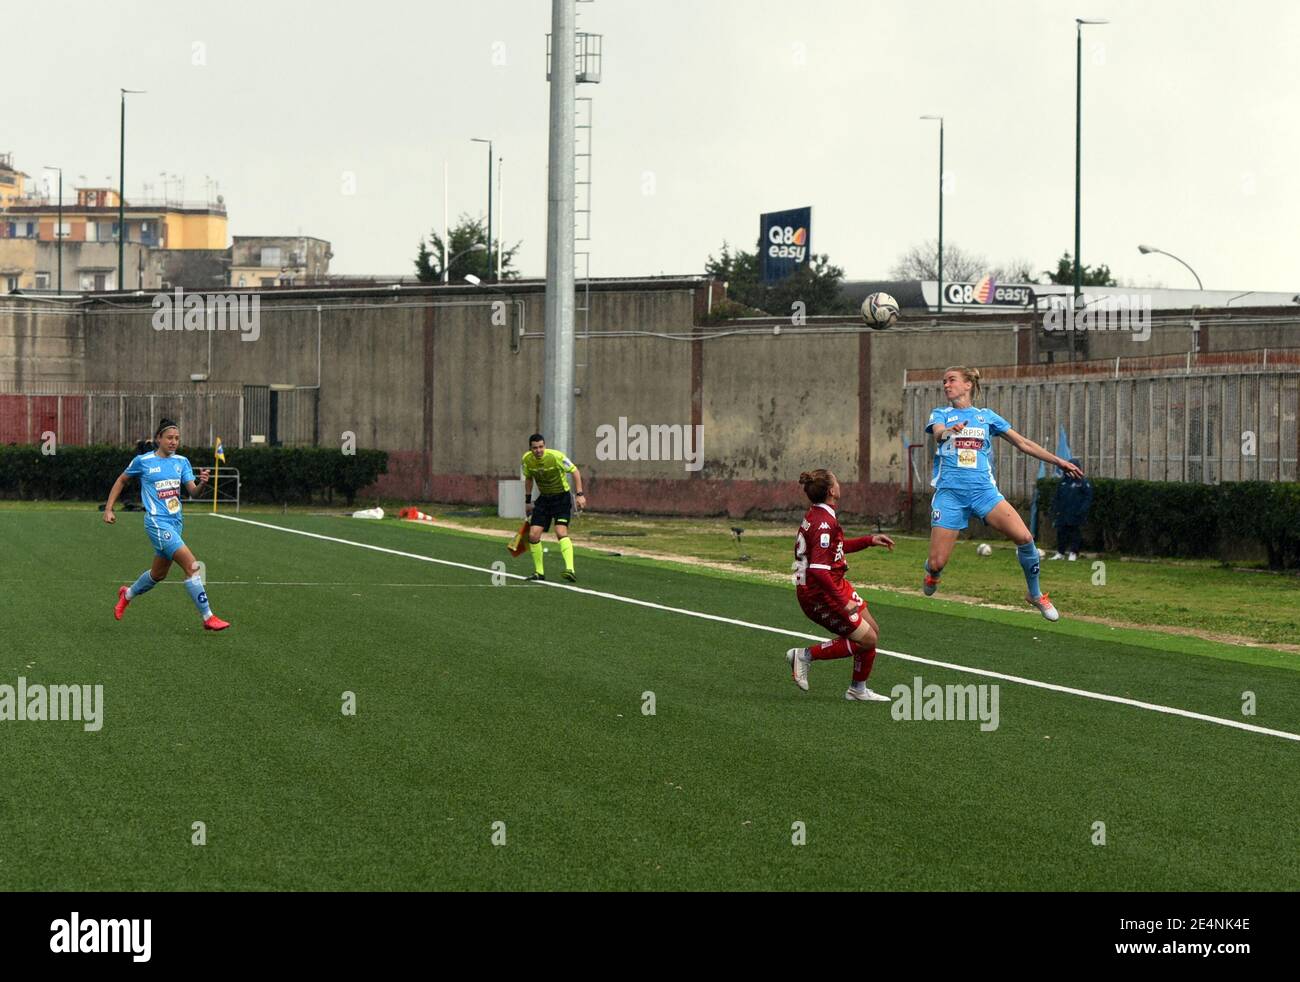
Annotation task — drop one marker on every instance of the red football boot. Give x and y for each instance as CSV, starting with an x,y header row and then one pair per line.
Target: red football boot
x,y
215,623
119,608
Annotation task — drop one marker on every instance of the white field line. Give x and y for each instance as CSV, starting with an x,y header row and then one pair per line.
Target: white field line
x,y
1034,683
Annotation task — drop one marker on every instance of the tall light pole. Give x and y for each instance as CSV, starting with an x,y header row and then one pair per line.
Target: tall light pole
x,y
1078,146
559,303
58,229
475,139
940,119
121,192
1144,249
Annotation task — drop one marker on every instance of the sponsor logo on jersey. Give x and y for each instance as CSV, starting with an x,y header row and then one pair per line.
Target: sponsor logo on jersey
x,y
805,525
823,525
826,540
155,470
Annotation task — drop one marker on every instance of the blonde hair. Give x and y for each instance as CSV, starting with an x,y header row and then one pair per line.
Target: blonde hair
x,y
971,375
816,484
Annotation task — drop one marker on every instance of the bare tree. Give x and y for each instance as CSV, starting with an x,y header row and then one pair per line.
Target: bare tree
x,y
921,262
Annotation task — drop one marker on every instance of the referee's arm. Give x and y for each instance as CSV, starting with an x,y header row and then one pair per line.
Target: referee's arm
x,y
577,483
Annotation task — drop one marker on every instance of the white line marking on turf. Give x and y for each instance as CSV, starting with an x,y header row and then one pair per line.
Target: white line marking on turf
x,y
1034,683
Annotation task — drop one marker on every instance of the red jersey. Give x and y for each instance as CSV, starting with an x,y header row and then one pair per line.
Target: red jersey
x,y
819,548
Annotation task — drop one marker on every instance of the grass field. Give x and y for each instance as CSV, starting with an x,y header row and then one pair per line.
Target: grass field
x,y
518,703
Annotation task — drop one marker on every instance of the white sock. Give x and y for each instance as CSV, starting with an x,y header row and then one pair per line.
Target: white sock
x,y
859,687
805,654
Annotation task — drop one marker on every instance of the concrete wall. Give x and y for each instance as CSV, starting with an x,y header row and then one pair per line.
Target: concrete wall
x,y
429,375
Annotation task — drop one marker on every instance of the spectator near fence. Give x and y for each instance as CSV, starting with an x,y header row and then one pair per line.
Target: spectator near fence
x,y
1069,513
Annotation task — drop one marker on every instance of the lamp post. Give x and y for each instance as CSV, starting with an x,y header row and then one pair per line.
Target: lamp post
x,y
1078,146
1144,249
476,139
121,191
476,247
58,229
940,119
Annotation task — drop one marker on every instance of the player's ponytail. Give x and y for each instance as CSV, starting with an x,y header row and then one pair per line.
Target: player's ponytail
x,y
971,375
816,484
163,425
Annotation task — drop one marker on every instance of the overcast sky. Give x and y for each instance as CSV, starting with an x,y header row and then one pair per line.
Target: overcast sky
x,y
710,112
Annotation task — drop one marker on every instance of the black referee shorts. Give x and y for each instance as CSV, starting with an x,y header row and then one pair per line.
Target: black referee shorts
x,y
551,508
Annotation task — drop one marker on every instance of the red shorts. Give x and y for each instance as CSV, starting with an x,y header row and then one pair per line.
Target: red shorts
x,y
828,611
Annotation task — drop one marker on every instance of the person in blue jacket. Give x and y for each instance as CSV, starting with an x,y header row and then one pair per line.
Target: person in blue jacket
x,y
1069,513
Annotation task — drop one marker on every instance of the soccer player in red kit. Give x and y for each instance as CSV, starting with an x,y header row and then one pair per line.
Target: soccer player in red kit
x,y
826,597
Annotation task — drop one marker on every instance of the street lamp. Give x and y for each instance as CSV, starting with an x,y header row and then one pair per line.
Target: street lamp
x,y
476,139
1078,151
1144,249
121,191
476,247
58,229
940,119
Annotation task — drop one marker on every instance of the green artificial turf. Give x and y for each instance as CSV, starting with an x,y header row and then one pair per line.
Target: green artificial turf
x,y
523,704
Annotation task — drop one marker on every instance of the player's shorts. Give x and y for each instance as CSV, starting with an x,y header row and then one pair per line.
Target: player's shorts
x,y
165,536
951,508
551,508
828,611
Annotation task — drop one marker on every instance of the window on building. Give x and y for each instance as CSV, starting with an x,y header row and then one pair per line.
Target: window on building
x,y
11,284
268,281
271,256
101,281
42,281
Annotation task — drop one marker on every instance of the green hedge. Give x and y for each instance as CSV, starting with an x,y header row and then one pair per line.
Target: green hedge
x,y
267,474
1156,518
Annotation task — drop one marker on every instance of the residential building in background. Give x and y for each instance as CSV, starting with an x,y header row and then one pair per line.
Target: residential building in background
x,y
274,260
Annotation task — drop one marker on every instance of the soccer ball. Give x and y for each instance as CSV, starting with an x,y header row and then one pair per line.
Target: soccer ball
x,y
879,310
984,549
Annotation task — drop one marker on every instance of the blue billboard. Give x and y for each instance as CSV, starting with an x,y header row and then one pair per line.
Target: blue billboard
x,y
784,242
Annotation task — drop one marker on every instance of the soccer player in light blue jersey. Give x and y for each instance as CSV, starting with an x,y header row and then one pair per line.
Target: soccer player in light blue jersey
x,y
964,483
163,473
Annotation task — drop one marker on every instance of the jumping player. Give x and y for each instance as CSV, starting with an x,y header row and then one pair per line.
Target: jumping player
x,y
162,473
964,483
548,468
827,598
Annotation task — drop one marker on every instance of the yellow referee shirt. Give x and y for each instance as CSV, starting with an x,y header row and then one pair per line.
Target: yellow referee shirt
x,y
548,472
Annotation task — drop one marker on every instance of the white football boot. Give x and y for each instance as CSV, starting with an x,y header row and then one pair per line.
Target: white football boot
x,y
798,667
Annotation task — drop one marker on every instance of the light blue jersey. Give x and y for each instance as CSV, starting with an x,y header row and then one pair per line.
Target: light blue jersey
x,y
162,480
965,462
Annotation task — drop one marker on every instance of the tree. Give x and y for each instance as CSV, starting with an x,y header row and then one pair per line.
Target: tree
x,y
816,285
921,262
465,234
1092,275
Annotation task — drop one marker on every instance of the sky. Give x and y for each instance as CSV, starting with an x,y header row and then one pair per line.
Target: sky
x,y
335,119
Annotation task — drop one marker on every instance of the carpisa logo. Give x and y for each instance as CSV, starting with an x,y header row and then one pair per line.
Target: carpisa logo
x,y
181,311
787,242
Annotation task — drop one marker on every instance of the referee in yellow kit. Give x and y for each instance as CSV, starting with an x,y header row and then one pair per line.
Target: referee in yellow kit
x,y
548,468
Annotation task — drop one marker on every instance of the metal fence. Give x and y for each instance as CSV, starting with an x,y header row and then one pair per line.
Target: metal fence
x,y
80,413
1203,425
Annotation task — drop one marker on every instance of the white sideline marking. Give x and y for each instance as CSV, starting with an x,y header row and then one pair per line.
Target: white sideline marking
x,y
1034,683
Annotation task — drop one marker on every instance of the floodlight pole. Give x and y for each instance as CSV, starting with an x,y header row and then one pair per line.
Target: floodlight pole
x,y
558,376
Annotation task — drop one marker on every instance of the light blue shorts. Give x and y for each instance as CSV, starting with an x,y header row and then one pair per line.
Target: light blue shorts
x,y
951,508
165,536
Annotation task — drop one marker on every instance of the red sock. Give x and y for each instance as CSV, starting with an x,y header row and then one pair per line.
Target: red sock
x,y
863,659
839,648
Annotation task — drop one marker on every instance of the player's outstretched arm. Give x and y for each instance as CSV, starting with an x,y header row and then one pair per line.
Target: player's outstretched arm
x,y
1026,445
